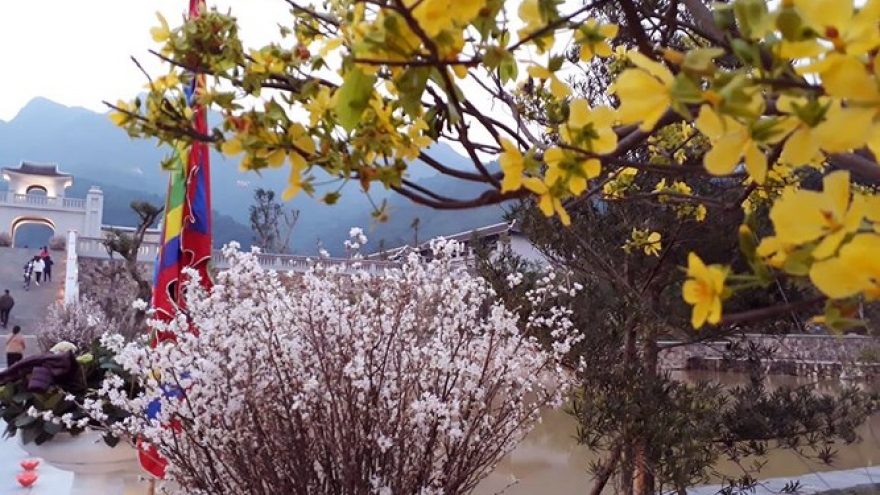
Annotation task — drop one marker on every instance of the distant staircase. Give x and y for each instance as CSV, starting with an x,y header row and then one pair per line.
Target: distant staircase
x,y
30,305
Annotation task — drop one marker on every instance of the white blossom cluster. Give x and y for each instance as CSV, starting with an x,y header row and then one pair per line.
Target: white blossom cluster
x,y
67,420
414,380
78,323
356,241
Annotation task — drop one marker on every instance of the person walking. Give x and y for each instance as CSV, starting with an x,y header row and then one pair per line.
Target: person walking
x,y
28,272
6,304
39,266
47,270
15,346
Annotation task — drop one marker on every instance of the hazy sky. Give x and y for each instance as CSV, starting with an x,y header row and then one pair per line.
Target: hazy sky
x,y
78,52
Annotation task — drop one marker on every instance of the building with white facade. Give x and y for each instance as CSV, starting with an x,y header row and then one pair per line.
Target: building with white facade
x,y
36,195
493,237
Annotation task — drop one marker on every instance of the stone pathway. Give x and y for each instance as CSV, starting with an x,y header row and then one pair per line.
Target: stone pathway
x,y
31,304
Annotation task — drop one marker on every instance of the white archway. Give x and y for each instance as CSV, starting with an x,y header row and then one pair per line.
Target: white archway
x,y
33,220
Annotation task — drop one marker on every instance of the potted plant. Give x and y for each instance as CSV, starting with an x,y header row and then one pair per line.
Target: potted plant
x,y
52,403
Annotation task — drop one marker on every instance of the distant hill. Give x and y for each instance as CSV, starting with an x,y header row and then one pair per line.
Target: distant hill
x,y
87,145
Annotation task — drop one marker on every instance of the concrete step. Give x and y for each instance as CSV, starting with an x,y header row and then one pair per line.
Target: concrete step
x,y
31,304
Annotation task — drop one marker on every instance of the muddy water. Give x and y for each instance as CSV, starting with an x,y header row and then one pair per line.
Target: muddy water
x,y
549,462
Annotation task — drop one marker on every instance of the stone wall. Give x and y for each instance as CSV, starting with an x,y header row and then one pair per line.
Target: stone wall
x,y
826,355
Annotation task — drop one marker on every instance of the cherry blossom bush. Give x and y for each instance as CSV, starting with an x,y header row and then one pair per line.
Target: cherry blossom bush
x,y
80,323
413,380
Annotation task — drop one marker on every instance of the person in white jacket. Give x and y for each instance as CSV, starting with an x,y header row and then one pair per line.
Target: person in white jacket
x,y
39,266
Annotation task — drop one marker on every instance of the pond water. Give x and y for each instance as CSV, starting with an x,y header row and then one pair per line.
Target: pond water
x,y
550,462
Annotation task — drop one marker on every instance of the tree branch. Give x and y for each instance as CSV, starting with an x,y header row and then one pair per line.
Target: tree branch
x,y
764,313
858,164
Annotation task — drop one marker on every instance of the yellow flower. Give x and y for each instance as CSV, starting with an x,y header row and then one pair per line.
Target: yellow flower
x,y
591,125
574,173
121,117
644,92
162,33
833,21
731,141
773,251
436,16
801,216
558,89
513,165
848,78
652,244
593,38
802,146
530,13
703,290
319,105
855,271
548,203
264,62
231,147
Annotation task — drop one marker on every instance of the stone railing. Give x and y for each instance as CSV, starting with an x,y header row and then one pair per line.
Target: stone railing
x,y
297,263
49,202
794,354
92,247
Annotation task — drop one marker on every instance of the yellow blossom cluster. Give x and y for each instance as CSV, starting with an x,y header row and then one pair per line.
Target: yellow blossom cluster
x,y
679,199
361,89
645,240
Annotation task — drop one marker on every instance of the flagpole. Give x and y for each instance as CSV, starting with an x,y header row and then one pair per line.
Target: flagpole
x,y
186,240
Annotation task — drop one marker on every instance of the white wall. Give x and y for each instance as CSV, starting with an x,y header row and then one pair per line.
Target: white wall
x,y
54,186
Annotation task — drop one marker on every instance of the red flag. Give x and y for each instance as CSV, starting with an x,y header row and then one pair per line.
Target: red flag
x,y
186,236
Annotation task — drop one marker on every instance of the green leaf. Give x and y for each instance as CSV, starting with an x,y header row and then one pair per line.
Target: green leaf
x,y
51,428
685,90
749,13
111,440
354,97
331,198
29,435
411,85
508,69
24,420
701,60
798,263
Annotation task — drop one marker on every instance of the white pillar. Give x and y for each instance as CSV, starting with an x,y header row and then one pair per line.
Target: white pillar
x,y
94,212
71,279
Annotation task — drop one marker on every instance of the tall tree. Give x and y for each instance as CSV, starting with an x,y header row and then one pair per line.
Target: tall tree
x,y
128,245
654,433
767,85
271,222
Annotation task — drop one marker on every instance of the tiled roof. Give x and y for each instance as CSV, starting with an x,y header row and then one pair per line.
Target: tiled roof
x,y
44,169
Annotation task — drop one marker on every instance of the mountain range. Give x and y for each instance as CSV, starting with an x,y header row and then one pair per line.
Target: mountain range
x,y
87,145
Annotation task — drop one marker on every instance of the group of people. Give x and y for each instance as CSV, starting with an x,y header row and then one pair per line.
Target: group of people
x,y
38,267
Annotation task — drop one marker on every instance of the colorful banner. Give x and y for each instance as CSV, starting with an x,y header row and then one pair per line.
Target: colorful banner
x,y
186,234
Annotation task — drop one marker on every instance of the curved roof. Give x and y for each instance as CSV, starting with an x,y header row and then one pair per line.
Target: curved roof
x,y
43,169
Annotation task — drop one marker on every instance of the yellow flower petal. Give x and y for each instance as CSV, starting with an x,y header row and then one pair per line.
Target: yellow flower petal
x,y
643,98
